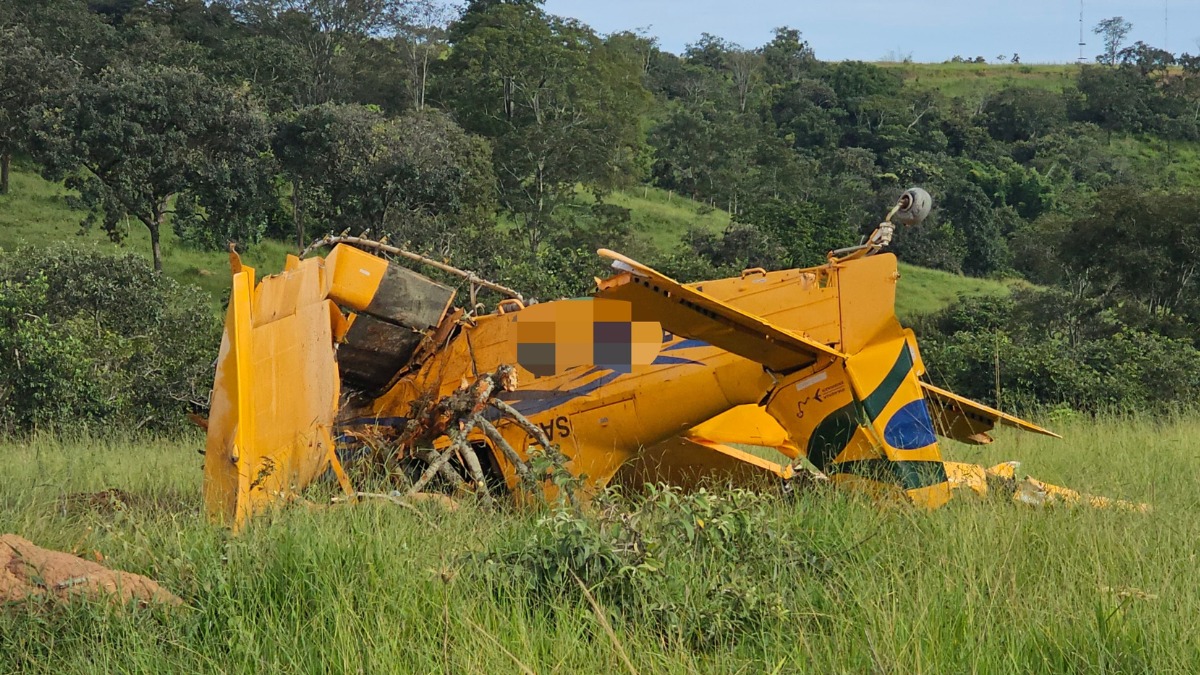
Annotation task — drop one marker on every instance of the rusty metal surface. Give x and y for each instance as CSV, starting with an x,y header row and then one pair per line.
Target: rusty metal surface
x,y
409,299
374,351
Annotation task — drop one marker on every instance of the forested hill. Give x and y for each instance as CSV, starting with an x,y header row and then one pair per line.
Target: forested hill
x,y
514,142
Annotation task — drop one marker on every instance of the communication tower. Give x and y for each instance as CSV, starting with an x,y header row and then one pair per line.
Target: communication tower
x,y
1082,44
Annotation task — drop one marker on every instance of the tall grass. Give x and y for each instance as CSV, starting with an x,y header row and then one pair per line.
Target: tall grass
x,y
979,586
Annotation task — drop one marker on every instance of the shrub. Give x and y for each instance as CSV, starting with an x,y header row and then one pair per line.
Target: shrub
x,y
702,568
1057,350
93,339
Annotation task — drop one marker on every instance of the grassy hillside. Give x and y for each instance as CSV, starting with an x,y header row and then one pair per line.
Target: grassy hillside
x,y
35,212
1178,162
663,217
973,79
975,587
922,290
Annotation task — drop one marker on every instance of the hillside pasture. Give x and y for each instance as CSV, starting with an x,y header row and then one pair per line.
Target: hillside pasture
x,y
973,80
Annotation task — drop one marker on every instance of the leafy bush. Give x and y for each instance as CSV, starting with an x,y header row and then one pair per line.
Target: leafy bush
x,y
1054,350
702,568
88,338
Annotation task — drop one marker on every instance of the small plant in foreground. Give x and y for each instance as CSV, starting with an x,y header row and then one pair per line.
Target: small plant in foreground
x,y
701,568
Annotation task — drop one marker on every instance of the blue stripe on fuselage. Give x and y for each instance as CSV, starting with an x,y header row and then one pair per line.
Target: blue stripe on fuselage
x,y
535,401
687,344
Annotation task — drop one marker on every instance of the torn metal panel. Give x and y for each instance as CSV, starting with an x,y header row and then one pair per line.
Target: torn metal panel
x,y
374,350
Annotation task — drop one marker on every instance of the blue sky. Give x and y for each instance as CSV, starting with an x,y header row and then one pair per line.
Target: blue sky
x,y
930,30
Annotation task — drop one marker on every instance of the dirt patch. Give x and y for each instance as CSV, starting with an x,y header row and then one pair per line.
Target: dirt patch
x,y
105,501
27,571
114,499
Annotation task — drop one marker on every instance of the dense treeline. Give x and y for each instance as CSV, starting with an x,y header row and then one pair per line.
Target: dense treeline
x,y
491,136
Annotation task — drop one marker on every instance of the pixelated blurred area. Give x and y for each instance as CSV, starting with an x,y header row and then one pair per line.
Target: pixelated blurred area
x,y
554,338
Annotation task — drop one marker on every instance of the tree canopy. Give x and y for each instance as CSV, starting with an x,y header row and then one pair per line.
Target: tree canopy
x,y
136,139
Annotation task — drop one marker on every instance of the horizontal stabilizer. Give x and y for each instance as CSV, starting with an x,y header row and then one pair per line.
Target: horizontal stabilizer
x,y
965,420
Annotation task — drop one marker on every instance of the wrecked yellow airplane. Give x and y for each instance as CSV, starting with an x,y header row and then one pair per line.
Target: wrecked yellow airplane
x,y
355,356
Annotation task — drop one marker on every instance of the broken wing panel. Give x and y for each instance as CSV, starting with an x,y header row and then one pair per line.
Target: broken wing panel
x,y
691,313
804,301
274,397
231,403
965,420
295,390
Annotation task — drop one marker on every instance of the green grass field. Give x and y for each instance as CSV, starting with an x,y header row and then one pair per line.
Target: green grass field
x,y
922,290
974,79
1177,162
663,217
979,586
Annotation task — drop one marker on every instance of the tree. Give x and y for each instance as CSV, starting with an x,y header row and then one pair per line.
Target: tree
x,y
1114,30
802,228
29,74
421,30
418,179
969,209
1023,113
743,66
93,338
1146,59
807,112
737,69
1139,245
787,57
637,44
137,138
560,106
324,29
1117,99
705,152
66,28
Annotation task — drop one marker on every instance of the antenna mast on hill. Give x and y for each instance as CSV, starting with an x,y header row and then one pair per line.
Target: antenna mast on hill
x,y
1166,24
1081,42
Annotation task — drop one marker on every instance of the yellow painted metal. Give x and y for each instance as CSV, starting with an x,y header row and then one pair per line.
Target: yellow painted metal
x,y
811,362
354,276
802,300
599,418
691,312
689,462
232,404
840,401
975,478
1028,490
275,393
747,425
867,299
1036,493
